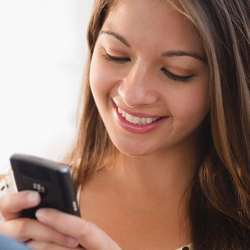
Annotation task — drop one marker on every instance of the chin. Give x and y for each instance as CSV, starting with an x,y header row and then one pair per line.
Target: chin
x,y
134,149
133,153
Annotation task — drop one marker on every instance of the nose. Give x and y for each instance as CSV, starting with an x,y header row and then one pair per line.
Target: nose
x,y
138,87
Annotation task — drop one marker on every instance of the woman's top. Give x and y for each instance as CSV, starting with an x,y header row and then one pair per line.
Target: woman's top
x,y
186,247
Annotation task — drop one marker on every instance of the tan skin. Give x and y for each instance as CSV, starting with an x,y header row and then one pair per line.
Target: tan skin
x,y
155,168
137,203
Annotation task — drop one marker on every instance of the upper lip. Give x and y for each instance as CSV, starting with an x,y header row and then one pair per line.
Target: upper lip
x,y
135,113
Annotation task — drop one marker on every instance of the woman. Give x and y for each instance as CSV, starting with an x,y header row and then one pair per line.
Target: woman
x,y
162,156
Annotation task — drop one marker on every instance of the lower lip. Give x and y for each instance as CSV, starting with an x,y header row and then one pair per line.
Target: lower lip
x,y
135,128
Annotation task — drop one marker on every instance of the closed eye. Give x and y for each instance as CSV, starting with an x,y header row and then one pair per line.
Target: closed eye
x,y
172,76
116,59
169,74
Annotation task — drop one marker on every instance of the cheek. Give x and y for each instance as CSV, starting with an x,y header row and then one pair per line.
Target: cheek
x,y
99,77
191,105
103,75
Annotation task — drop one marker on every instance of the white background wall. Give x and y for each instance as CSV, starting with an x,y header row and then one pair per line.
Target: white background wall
x,y
42,54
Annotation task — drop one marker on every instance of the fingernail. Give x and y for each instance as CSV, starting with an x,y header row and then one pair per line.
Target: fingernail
x,y
33,197
71,242
40,214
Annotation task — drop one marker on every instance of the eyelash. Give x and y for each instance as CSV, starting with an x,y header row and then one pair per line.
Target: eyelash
x,y
166,72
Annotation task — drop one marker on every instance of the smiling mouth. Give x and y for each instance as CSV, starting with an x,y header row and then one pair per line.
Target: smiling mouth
x,y
137,120
135,114
137,124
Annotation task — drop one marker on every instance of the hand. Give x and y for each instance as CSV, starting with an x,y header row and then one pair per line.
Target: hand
x,y
86,233
24,229
39,245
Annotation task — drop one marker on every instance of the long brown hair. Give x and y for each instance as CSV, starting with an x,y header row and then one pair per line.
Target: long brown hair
x,y
220,191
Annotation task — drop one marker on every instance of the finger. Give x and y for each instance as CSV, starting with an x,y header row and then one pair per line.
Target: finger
x,y
24,229
39,245
89,235
12,204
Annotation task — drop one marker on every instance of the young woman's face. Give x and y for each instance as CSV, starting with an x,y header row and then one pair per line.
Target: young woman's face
x,y
149,62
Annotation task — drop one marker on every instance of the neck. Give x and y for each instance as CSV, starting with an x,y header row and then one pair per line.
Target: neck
x,y
156,185
164,172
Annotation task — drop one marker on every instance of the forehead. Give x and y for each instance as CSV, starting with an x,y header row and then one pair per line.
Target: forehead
x,y
153,23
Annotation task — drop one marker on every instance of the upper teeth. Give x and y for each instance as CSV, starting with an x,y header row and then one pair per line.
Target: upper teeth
x,y
135,119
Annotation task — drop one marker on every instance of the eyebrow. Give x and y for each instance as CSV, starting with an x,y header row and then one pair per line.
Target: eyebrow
x,y
170,53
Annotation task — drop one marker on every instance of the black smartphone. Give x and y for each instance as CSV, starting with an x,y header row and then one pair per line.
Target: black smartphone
x,y
51,179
